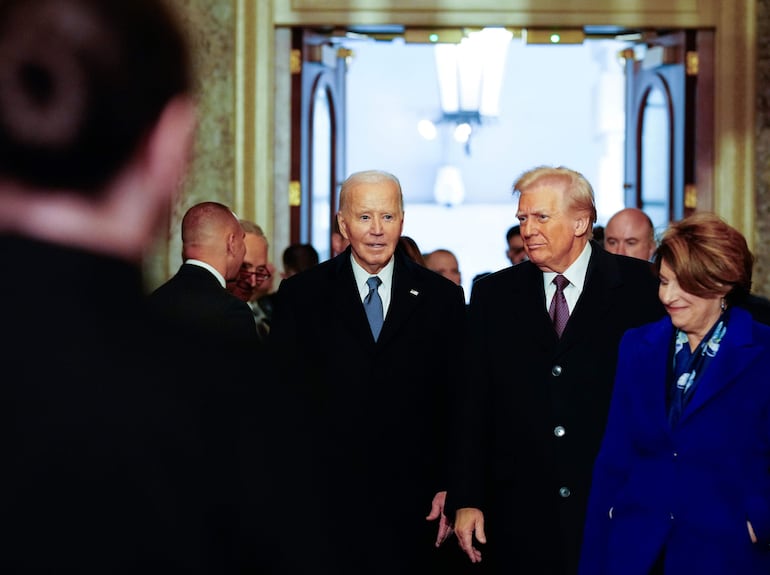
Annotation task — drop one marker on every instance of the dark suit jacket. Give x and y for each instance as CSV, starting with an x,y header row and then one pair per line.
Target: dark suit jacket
x,y
109,465
535,406
691,488
194,298
368,419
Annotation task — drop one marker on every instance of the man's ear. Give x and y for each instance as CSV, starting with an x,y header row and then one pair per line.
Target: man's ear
x,y
231,244
343,226
582,225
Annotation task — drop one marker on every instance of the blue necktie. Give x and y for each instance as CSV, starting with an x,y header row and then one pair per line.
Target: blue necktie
x,y
373,306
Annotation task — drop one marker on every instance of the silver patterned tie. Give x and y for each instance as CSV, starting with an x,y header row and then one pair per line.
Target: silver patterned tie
x,y
373,306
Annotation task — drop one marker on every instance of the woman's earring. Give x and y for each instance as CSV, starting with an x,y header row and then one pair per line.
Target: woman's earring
x,y
723,304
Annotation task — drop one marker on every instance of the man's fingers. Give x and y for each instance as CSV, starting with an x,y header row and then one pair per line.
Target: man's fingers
x,y
444,532
480,535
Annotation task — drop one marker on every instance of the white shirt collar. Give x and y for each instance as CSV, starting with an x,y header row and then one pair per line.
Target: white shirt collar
x,y
575,273
385,275
219,276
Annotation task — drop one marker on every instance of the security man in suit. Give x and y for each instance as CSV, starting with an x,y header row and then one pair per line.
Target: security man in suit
x,y
367,404
536,402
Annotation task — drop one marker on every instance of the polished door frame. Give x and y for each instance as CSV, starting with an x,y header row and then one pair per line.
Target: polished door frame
x,y
322,71
266,25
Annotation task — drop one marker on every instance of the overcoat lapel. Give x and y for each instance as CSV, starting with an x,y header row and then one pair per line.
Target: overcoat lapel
x,y
405,296
736,353
596,300
529,295
347,301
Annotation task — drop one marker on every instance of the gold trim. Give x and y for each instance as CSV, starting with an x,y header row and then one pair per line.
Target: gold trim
x,y
295,194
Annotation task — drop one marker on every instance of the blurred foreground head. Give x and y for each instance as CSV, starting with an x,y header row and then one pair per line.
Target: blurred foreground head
x,y
94,105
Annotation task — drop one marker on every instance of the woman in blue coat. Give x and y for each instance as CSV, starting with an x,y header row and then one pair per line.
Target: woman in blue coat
x,y
682,482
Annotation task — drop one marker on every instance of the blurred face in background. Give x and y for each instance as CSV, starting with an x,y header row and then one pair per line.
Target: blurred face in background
x,y
254,270
444,263
516,252
629,233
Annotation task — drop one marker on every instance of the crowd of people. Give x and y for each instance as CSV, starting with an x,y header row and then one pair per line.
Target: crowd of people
x,y
597,408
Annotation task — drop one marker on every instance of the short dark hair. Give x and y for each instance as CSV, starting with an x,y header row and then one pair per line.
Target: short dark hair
x,y
513,231
82,82
299,257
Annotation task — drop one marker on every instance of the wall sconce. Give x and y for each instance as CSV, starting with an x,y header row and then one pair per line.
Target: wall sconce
x,y
470,77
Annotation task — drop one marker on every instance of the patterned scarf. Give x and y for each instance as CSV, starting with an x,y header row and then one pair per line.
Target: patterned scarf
x,y
688,367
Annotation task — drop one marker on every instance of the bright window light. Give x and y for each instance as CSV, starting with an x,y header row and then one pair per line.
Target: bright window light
x,y
427,129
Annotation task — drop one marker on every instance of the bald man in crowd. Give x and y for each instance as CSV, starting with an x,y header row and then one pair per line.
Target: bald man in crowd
x,y
212,249
444,262
212,335
630,233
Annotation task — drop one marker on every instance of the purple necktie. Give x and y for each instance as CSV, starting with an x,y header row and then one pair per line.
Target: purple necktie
x,y
559,310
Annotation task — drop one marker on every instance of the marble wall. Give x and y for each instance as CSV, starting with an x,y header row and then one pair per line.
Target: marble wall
x,y
211,26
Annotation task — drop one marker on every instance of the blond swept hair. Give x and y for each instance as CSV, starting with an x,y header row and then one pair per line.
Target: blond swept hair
x,y
580,194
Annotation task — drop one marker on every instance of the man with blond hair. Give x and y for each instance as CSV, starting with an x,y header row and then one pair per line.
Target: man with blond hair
x,y
544,336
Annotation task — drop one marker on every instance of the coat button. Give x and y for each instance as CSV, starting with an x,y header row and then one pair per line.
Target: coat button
x,y
564,492
559,431
556,370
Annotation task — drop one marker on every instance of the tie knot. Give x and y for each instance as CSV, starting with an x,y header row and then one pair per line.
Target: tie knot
x,y
561,282
373,282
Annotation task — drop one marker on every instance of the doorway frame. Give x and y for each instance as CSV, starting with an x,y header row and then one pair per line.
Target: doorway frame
x,y
262,100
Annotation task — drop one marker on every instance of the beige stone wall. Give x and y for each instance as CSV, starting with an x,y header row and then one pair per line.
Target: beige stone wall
x,y
762,245
211,25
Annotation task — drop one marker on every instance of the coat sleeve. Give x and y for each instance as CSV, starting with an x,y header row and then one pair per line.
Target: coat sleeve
x,y
612,464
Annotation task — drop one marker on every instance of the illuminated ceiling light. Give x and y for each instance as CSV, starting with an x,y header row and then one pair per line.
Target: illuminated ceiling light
x,y
427,129
463,132
470,76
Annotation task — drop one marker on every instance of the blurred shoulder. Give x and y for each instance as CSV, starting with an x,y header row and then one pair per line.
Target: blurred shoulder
x,y
625,264
759,308
323,275
409,273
